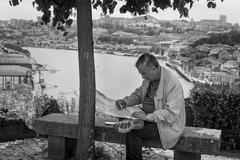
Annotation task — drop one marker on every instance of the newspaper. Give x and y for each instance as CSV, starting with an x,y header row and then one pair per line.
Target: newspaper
x,y
107,106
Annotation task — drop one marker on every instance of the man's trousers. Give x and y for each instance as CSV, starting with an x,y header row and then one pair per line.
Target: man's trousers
x,y
134,140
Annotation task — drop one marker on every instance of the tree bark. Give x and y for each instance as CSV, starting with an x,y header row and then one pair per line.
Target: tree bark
x,y
86,119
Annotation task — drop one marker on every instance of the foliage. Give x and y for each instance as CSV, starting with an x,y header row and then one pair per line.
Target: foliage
x,y
68,102
150,31
157,50
110,27
101,154
115,39
204,62
232,38
27,106
218,107
134,31
17,49
31,107
63,9
44,105
12,101
172,54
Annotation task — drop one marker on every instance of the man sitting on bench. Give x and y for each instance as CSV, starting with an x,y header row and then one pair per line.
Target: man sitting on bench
x,y
163,107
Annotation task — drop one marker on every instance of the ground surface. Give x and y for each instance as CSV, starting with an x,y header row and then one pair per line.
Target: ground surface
x,y
36,149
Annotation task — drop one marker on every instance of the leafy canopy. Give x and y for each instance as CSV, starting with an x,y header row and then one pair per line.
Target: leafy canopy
x,y
62,9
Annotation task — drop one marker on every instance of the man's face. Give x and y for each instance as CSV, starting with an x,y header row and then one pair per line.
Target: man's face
x,y
147,72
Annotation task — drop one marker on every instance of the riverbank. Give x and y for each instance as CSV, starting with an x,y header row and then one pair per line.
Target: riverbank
x,y
69,49
180,71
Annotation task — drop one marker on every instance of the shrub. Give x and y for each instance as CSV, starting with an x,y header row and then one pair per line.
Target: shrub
x,y
19,104
105,38
27,106
157,50
231,38
218,107
116,39
68,102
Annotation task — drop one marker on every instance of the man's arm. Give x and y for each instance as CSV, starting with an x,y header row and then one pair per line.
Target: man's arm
x,y
135,97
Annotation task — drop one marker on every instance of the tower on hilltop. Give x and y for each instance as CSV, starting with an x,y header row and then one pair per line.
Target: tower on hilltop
x,y
223,19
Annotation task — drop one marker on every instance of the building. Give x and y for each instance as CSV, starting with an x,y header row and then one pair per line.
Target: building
x,y
39,19
211,24
12,22
3,24
182,25
144,21
223,20
20,23
111,20
222,77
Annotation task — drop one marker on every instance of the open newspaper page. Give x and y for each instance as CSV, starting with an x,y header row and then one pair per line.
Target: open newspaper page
x,y
107,106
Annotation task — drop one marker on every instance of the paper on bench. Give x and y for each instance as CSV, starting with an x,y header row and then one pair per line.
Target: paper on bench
x,y
107,106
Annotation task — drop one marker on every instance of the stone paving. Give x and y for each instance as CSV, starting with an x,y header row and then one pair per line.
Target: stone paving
x,y
28,149
36,149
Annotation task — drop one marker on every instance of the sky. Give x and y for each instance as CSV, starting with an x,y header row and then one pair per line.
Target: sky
x,y
199,11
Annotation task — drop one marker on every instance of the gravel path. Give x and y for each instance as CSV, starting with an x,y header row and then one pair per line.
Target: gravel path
x,y
36,149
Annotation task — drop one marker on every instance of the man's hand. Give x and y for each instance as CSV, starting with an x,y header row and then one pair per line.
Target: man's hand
x,y
124,126
140,114
120,104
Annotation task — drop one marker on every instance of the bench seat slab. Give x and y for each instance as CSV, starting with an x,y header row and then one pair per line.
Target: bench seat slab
x,y
193,140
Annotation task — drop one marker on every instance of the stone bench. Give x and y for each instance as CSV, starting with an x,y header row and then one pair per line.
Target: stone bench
x,y
62,137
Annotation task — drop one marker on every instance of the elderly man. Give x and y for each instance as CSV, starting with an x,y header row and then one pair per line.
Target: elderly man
x,y
163,107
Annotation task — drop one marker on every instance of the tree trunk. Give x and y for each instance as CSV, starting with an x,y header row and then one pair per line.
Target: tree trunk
x,y
85,147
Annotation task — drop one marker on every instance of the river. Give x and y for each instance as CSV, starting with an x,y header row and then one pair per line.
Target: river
x,y
116,76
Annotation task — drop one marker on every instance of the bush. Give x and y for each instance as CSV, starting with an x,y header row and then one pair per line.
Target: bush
x,y
157,50
218,107
68,102
204,62
27,106
134,31
114,39
232,38
105,38
19,104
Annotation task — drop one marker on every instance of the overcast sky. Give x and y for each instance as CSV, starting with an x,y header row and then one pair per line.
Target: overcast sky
x,y
199,11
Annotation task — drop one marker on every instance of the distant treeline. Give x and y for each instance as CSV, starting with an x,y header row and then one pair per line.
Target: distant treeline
x,y
115,39
15,47
231,38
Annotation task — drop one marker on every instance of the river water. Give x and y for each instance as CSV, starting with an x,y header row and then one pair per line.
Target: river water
x,y
116,76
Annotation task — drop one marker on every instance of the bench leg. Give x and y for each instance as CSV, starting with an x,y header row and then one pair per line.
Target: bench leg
x,y
186,156
56,147
61,147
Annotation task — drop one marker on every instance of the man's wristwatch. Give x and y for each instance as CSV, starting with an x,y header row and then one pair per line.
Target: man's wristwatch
x,y
147,117
150,117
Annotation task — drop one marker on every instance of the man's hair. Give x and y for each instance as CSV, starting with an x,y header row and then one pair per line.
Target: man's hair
x,y
147,59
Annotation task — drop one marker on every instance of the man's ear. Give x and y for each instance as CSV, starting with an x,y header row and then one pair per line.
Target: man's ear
x,y
154,67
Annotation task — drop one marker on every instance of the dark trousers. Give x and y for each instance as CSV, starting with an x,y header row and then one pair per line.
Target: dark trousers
x,y
134,140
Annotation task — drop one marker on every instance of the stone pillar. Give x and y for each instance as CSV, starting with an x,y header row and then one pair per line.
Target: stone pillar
x,y
186,156
60,148
56,148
